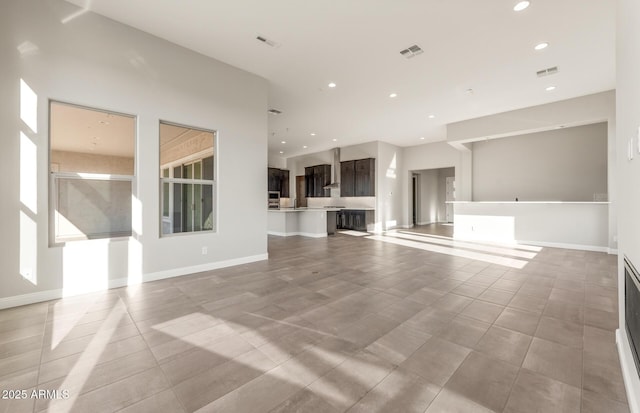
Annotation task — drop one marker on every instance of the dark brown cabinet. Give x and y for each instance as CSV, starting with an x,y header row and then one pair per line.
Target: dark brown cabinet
x,y
278,181
316,178
347,178
358,178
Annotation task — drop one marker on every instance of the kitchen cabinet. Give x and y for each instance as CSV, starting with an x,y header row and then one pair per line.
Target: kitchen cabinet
x,y
355,219
358,177
316,178
347,178
278,181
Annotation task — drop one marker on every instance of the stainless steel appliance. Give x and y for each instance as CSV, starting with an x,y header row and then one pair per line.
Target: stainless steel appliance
x,y
274,200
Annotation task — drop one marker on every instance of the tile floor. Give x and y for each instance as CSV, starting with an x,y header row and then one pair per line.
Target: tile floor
x,y
406,322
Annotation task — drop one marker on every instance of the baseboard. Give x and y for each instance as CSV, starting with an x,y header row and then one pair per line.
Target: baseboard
x,y
31,298
291,234
612,251
40,296
581,247
177,272
629,374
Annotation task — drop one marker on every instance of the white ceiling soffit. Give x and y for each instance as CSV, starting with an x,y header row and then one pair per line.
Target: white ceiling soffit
x,y
484,46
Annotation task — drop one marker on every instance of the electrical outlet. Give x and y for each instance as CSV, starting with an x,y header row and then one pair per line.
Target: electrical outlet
x,y
204,251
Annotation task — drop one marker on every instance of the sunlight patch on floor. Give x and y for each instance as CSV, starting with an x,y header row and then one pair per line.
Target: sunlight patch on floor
x,y
492,259
461,244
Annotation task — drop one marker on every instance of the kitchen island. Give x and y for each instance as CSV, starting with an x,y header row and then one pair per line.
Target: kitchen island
x,y
307,222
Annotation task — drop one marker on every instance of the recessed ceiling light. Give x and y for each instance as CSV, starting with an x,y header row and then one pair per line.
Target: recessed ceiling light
x,y
281,152
393,95
283,142
521,5
422,138
550,88
332,85
469,91
431,116
335,140
305,146
313,134
541,46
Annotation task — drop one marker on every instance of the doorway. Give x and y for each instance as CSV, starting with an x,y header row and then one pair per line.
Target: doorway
x,y
431,192
301,193
415,196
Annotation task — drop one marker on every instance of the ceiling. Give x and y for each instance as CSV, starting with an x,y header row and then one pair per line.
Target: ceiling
x,y
478,59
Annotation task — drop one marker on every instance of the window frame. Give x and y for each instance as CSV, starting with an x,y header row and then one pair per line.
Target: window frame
x,y
191,159
54,240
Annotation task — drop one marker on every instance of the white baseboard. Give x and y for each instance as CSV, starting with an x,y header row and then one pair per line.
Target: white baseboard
x,y
24,299
581,247
302,234
177,272
612,251
629,373
40,296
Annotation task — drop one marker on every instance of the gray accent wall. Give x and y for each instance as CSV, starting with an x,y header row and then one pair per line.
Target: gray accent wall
x,y
93,61
568,164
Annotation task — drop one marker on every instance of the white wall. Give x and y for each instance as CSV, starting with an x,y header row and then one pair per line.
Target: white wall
x,y
93,61
428,197
567,164
628,174
389,186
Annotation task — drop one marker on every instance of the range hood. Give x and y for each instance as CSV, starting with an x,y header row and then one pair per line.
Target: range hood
x,y
336,171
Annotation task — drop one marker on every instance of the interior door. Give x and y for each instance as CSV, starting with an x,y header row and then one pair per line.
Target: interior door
x,y
301,194
451,196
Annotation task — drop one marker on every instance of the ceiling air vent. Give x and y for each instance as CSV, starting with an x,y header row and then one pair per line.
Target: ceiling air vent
x,y
546,72
274,111
267,41
411,51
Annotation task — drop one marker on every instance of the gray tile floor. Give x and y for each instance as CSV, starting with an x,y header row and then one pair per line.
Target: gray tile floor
x,y
407,322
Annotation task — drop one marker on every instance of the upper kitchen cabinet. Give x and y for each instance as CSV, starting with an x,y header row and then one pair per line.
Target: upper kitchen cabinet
x,y
279,181
358,178
347,179
316,178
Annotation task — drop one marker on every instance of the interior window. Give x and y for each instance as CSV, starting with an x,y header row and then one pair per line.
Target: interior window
x,y
92,163
187,179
